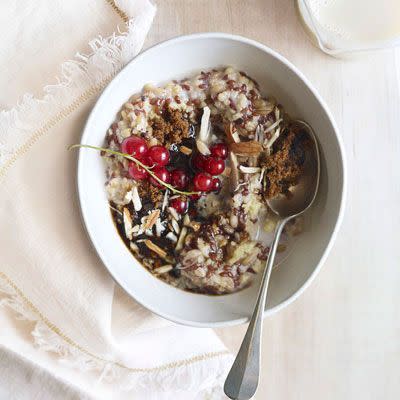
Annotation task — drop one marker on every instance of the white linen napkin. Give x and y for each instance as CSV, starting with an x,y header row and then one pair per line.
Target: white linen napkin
x,y
49,273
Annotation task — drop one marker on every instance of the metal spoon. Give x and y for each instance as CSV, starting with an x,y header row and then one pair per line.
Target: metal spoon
x,y
242,380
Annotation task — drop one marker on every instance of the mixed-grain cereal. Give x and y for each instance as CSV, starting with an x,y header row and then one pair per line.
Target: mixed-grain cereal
x,y
214,150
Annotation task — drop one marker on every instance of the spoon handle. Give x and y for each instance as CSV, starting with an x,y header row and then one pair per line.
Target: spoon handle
x,y
242,380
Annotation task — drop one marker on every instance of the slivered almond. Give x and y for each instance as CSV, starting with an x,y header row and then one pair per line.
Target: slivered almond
x,y
173,213
251,148
205,125
234,175
153,247
235,136
159,227
202,148
231,134
151,219
249,170
165,200
273,138
137,204
186,220
163,269
171,236
185,150
134,247
273,126
175,226
127,223
182,236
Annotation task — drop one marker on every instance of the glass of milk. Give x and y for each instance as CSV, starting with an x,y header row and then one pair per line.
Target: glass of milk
x,y
349,26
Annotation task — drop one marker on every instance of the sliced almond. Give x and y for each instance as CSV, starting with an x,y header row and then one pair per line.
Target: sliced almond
x,y
137,204
185,150
181,239
127,223
249,170
251,148
151,219
153,247
202,147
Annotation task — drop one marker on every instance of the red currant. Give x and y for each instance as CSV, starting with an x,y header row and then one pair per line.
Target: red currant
x,y
146,160
202,182
216,185
214,166
161,173
159,155
179,178
136,172
198,161
135,146
180,204
219,150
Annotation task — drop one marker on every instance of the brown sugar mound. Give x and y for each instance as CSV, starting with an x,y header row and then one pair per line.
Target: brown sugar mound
x,y
170,128
285,164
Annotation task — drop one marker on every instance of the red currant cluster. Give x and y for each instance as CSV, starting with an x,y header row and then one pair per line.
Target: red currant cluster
x,y
158,157
209,167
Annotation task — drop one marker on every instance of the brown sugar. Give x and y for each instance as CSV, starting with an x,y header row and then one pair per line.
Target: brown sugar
x,y
285,164
149,191
170,127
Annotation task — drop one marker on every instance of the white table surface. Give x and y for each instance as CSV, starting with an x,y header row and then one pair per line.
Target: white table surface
x,y
341,338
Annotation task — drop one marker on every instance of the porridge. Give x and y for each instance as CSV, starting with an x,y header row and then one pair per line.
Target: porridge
x,y
201,157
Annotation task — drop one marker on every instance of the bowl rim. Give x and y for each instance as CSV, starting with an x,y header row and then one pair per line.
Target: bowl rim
x,y
342,157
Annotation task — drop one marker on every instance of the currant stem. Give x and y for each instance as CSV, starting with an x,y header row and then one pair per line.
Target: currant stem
x,y
129,157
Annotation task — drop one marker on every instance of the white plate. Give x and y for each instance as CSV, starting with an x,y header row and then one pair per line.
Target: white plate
x,y
181,57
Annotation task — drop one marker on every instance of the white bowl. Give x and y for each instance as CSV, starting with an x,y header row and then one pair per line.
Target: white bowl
x,y
181,57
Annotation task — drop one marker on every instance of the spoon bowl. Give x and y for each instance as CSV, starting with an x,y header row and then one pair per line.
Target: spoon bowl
x,y
304,192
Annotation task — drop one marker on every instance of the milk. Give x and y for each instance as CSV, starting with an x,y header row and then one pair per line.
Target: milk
x,y
353,24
